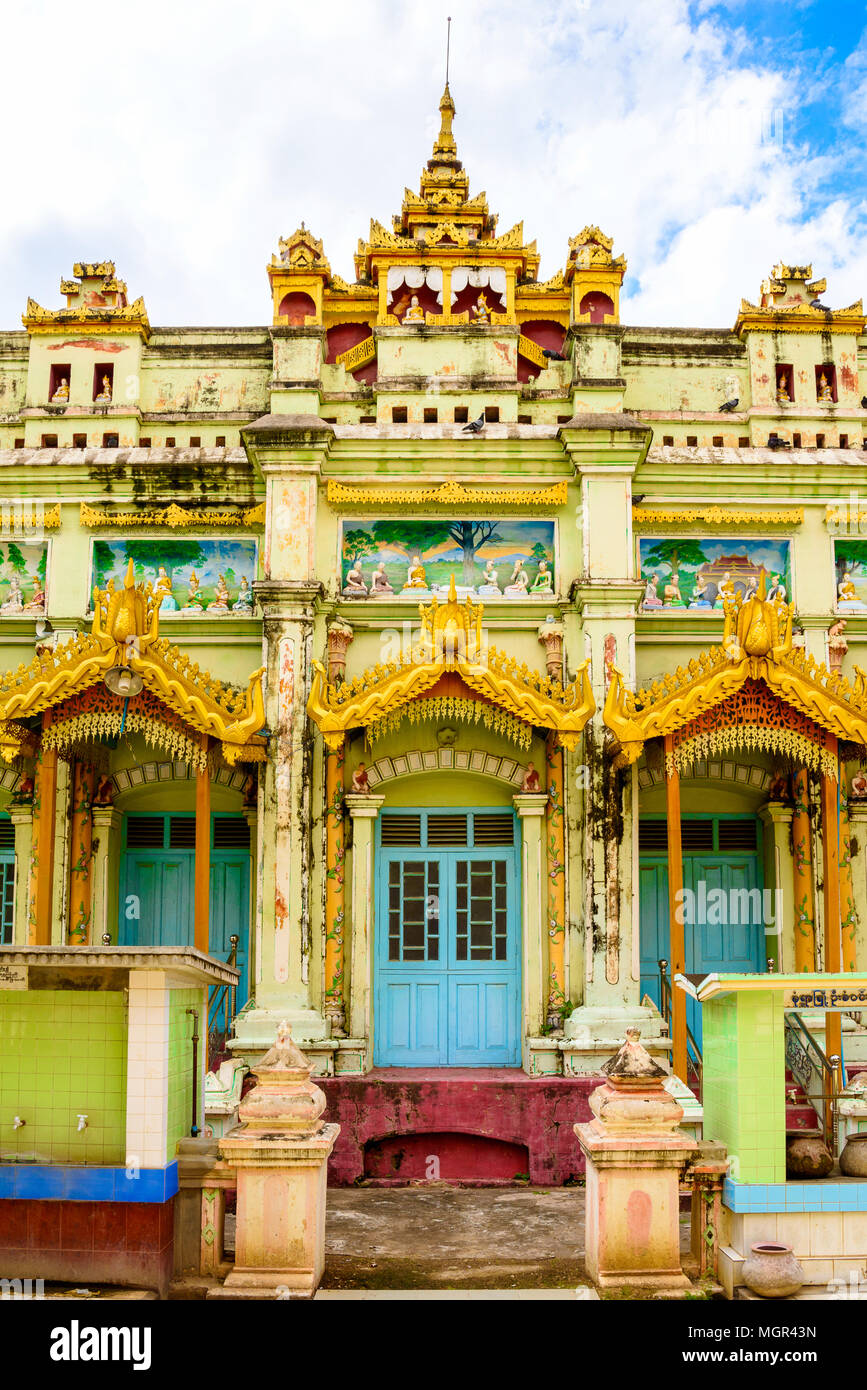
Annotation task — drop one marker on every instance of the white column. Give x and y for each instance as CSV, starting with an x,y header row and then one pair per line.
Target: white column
x,y
106,869
147,1069
22,820
531,810
363,811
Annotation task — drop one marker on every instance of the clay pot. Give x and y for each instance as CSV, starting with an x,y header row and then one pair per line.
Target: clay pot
x,y
853,1159
808,1157
772,1271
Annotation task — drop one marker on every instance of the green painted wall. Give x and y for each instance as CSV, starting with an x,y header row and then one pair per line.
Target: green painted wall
x,y
180,1090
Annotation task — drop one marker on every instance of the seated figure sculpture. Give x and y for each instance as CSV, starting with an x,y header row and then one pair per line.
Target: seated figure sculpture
x,y
379,581
651,597
416,578
105,394
825,393
479,312
355,584
519,583
544,581
415,313
61,395
847,597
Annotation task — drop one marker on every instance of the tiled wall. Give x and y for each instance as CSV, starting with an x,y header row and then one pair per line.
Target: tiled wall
x,y
180,1075
62,1054
744,1082
829,1244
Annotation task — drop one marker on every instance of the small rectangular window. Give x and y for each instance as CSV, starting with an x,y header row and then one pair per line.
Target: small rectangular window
x,y
492,414
103,383
717,441
145,442
7,833
737,836
145,832
109,441
401,830
796,440
58,381
49,441
398,414
431,415
170,441
195,441
668,440
19,444
525,419
182,832
231,832
79,441
744,442
563,419
844,441
462,414
820,441
493,829
446,830
692,441
785,379
696,834
220,441
826,383
367,419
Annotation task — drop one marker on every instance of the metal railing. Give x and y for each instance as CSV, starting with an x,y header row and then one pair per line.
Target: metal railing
x,y
693,1051
819,1077
222,1000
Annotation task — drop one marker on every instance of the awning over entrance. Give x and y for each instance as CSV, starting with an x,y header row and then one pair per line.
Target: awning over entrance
x,y
452,644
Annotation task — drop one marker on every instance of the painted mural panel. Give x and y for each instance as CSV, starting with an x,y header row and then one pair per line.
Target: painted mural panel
x,y
416,557
23,567
697,572
196,577
850,565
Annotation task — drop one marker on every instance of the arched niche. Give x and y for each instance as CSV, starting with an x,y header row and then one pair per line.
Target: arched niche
x,y
545,333
597,305
295,307
343,336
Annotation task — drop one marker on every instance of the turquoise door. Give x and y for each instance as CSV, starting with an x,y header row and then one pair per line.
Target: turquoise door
x,y
158,885
447,987
724,925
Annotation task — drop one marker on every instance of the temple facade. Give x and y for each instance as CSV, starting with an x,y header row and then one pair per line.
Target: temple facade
x,y
445,653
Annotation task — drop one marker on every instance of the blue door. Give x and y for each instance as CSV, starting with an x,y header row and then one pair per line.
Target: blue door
x,y
724,927
7,881
158,885
447,950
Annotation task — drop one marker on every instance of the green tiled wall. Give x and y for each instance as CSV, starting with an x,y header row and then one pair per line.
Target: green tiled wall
x,y
62,1054
180,1091
743,1082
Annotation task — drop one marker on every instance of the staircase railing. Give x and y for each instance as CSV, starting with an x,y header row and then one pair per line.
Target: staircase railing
x,y
222,1000
693,1051
811,1069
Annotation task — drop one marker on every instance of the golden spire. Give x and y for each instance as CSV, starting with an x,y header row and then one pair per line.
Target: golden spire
x,y
445,146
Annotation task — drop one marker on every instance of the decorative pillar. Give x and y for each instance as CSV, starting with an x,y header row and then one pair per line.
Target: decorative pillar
x,y
555,836
531,808
81,856
107,822
202,894
340,637
42,847
21,815
857,816
677,945
363,809
776,816
848,912
802,876
831,869
334,890
280,1153
635,1154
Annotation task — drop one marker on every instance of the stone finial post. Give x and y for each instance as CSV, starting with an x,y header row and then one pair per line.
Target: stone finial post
x,y
635,1153
280,1152
340,636
837,646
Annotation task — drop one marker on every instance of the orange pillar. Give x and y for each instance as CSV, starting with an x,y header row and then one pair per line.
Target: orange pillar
x,y
802,870
555,840
677,942
202,910
335,914
831,865
848,915
42,851
81,856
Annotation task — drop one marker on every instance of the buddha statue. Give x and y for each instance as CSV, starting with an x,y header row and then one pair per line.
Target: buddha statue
x,y
105,394
415,313
379,581
847,596
519,583
479,312
783,388
825,392
355,584
727,590
244,601
61,395
221,596
544,581
416,578
163,596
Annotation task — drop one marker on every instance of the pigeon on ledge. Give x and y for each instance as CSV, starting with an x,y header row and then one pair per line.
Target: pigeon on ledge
x,y
475,426
864,402
552,355
817,304
728,406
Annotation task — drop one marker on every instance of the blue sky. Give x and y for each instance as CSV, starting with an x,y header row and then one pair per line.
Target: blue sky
x,y
710,140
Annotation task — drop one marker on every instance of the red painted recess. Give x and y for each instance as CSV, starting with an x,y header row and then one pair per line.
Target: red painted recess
x,y
383,1111
597,305
295,307
545,333
344,336
470,1159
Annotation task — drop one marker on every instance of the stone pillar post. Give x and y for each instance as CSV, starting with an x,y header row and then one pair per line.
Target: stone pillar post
x,y
81,856
776,817
363,810
106,870
531,807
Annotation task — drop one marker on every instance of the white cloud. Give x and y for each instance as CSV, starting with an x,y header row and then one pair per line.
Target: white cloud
x,y
186,139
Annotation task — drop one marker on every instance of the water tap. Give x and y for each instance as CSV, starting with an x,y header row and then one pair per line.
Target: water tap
x,y
18,1123
82,1123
